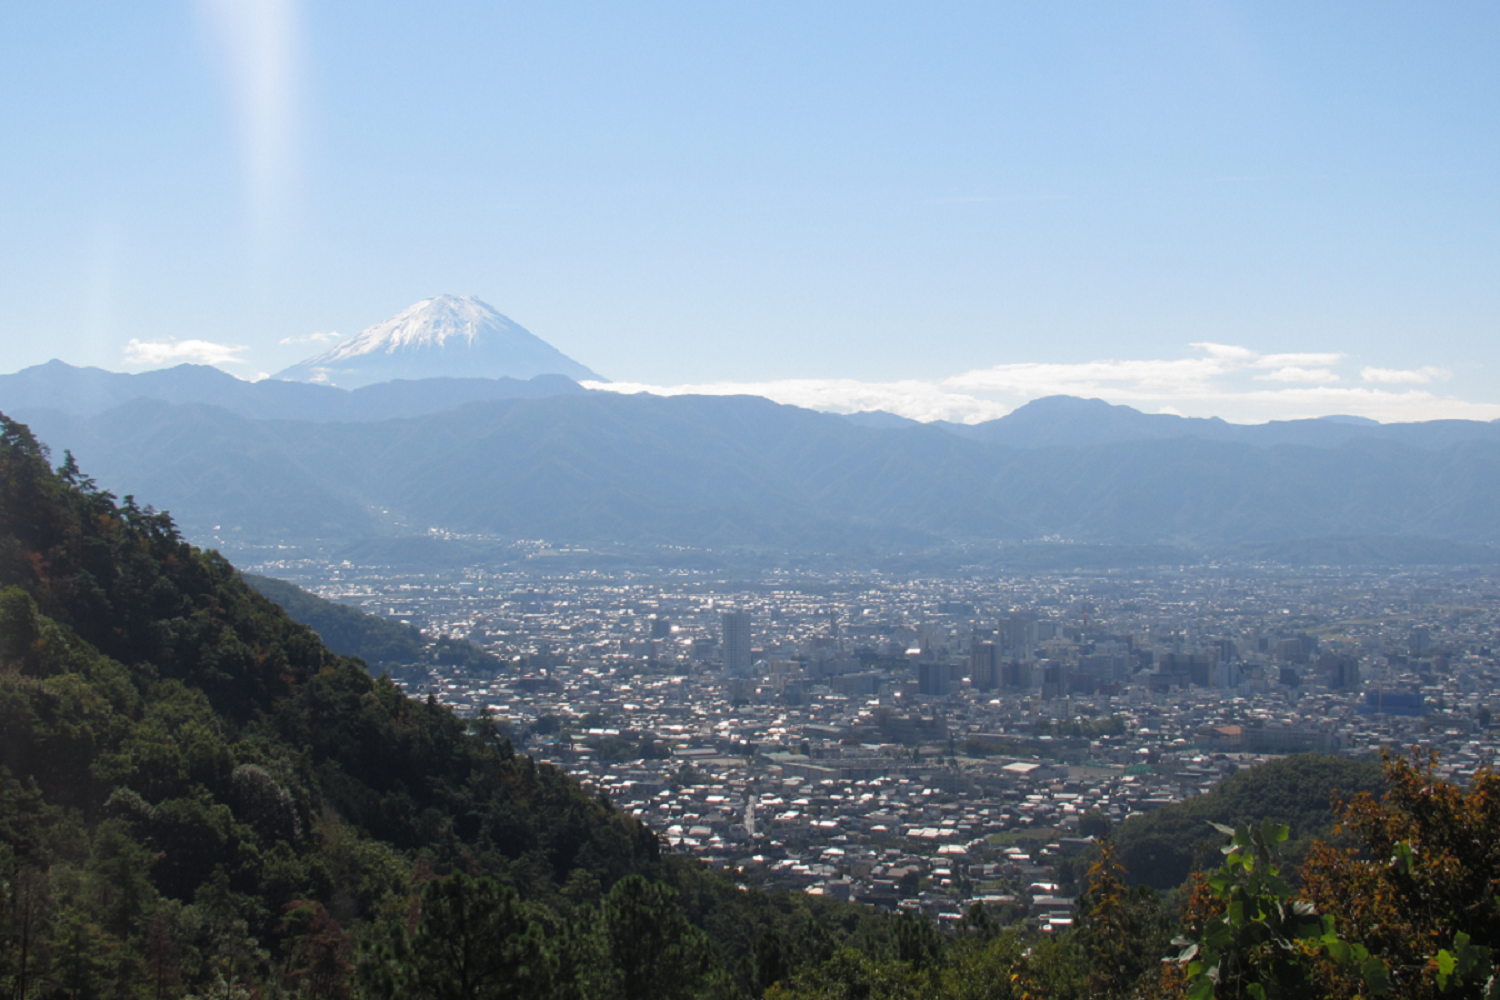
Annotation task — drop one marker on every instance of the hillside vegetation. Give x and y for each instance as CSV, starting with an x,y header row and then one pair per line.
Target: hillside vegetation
x,y
1163,848
196,794
380,642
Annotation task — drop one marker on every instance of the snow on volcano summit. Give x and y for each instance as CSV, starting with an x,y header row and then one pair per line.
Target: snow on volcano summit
x,y
451,335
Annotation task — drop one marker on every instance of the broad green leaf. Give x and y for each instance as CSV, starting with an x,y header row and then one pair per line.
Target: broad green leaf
x,y
1201,989
1377,976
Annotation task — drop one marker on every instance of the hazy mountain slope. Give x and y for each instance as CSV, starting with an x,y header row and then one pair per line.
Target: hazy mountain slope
x,y
742,471
260,479
90,391
345,630
1068,421
701,470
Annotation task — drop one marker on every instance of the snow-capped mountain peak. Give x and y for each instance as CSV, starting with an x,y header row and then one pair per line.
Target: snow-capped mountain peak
x,y
450,335
430,322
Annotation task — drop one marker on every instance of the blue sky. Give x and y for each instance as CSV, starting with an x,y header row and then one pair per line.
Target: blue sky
x,y
1252,211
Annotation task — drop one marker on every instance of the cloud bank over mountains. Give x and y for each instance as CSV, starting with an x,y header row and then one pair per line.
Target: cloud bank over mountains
x,y
1224,380
463,336
156,353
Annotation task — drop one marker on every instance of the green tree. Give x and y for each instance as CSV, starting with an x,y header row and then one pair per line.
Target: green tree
x,y
852,975
1254,940
772,961
472,939
655,954
1121,933
318,952
917,941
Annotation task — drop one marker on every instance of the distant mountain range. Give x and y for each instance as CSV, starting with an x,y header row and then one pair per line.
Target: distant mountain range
x,y
86,392
605,469
1068,421
447,335
1054,421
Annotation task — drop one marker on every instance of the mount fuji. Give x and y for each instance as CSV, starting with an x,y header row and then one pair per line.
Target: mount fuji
x,y
450,335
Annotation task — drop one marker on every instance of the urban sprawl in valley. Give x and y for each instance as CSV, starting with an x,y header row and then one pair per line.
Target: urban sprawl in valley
x,y
929,743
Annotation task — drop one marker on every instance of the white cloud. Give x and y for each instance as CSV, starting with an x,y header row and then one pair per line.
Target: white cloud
x,y
162,352
1294,374
1378,404
1093,377
1417,376
321,337
1296,360
918,400
1228,352
1227,381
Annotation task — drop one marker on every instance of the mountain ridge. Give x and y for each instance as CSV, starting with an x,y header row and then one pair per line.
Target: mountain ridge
x,y
57,385
601,468
1052,421
1072,421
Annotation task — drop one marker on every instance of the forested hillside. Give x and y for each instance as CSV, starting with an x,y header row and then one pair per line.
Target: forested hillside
x,y
1163,848
196,795
380,642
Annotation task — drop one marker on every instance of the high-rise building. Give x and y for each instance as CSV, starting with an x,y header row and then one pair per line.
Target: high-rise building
x,y
1018,637
1015,676
984,666
1340,670
736,625
933,679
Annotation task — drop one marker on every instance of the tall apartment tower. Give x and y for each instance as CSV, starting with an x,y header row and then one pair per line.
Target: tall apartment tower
x,y
984,666
736,625
934,678
1018,638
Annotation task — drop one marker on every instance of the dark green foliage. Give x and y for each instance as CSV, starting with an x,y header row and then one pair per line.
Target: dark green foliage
x,y
655,954
1162,848
468,939
1263,943
917,943
378,641
773,960
345,630
619,748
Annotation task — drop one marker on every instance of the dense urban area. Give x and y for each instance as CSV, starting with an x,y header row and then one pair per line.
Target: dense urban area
x,y
929,743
